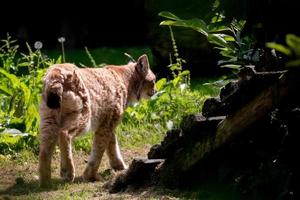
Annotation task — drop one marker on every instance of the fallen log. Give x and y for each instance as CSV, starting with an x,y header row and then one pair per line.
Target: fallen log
x,y
199,137
175,169
236,94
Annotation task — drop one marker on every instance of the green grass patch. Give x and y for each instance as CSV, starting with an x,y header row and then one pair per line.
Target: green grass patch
x,y
103,55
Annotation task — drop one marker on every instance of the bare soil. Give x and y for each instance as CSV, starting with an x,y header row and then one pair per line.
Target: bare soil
x,y
19,180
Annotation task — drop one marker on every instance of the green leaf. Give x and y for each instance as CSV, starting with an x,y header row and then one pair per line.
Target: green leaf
x,y
174,67
216,19
24,64
229,54
11,77
17,84
231,66
293,63
58,61
6,90
32,116
212,28
168,15
167,23
294,43
184,73
279,47
176,81
160,84
26,93
196,24
217,39
228,38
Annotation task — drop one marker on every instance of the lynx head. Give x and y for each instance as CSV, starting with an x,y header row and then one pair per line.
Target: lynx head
x,y
147,78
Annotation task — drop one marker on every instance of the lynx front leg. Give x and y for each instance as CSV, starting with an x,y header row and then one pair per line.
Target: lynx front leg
x,y
67,170
100,143
114,154
48,140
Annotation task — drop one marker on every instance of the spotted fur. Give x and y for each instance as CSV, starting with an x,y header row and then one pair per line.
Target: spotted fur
x,y
76,100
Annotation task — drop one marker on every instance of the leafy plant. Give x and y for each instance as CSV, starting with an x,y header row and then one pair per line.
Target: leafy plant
x,y
292,50
145,122
236,50
20,90
148,120
21,86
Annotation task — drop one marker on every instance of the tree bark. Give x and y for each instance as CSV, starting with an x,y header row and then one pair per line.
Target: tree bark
x,y
234,124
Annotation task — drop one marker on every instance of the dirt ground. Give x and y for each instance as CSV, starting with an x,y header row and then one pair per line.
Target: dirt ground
x,y
19,180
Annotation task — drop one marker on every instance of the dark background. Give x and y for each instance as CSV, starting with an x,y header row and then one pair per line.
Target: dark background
x,y
82,23
136,22
96,23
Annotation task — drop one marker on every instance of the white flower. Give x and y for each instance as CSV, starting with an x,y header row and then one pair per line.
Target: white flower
x,y
182,87
169,124
38,45
61,39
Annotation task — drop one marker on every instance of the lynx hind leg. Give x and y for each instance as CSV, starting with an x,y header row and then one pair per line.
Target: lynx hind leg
x,y
114,154
100,143
67,170
48,140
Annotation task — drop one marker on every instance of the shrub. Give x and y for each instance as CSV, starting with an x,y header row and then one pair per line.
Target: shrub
x,y
20,90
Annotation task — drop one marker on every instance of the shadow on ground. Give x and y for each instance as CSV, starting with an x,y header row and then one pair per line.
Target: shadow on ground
x,y
22,187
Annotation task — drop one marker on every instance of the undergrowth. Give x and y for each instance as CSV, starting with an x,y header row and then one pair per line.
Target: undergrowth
x,y
143,123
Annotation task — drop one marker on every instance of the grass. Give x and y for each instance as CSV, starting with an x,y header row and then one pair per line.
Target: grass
x,y
104,55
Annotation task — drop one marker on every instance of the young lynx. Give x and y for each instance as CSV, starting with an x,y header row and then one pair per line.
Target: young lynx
x,y
77,100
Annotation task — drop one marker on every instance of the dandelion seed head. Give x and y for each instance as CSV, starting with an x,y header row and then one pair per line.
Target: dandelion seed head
x,y
38,45
61,39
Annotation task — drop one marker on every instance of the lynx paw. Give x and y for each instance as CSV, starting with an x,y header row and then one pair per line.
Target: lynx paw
x,y
67,175
91,176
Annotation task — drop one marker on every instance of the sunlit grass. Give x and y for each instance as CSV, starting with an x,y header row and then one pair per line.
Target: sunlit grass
x,y
103,55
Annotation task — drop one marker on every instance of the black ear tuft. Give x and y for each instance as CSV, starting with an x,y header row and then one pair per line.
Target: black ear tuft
x,y
141,64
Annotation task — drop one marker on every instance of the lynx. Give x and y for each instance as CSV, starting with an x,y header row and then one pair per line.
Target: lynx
x,y
77,100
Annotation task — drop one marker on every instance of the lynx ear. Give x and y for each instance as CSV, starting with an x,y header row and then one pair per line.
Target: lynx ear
x,y
143,65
